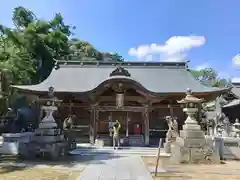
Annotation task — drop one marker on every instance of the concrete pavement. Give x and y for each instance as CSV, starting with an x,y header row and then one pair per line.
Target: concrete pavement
x,y
115,167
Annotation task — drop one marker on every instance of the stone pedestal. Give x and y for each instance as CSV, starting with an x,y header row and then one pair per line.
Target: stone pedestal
x,y
191,146
12,142
167,145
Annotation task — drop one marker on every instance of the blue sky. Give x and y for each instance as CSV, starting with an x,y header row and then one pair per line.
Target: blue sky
x,y
206,32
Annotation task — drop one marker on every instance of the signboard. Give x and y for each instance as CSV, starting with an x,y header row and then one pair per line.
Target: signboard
x,y
119,100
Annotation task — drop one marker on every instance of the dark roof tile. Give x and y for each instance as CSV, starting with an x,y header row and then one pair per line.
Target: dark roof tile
x,y
156,77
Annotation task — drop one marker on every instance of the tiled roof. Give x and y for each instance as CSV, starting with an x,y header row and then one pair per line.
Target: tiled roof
x,y
156,77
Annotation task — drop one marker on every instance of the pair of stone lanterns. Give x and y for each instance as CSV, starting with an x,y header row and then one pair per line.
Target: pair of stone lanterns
x,y
191,146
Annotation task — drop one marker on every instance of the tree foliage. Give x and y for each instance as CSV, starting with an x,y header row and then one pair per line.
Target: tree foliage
x,y
209,77
15,62
83,50
28,50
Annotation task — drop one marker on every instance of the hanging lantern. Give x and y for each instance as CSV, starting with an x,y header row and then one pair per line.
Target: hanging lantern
x,y
119,100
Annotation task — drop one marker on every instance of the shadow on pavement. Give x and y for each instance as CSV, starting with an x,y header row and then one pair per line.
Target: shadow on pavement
x,y
12,163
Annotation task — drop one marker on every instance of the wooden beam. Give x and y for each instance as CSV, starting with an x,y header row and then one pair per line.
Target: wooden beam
x,y
113,108
165,106
125,108
84,106
126,98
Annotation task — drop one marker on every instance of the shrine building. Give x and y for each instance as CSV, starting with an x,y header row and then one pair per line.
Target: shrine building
x,y
138,94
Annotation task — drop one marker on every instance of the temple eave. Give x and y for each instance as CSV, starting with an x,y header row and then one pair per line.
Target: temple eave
x,y
39,89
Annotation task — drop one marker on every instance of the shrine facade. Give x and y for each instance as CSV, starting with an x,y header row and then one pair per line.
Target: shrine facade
x,y
137,94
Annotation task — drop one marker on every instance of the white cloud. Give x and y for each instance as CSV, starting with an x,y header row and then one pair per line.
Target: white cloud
x,y
202,66
174,49
236,60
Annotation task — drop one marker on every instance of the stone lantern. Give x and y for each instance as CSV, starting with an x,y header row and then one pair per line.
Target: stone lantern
x,y
191,146
47,139
190,107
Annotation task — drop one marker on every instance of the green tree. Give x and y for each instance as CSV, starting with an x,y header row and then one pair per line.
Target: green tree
x,y
209,77
15,62
115,57
34,44
43,40
16,67
83,50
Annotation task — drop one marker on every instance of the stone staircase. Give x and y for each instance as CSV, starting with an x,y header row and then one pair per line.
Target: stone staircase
x,y
131,140
136,140
125,151
104,140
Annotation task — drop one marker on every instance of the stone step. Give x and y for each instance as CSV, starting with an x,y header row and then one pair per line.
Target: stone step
x,y
122,148
118,152
135,137
110,150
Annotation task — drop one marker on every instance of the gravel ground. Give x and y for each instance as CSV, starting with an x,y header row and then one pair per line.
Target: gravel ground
x,y
229,170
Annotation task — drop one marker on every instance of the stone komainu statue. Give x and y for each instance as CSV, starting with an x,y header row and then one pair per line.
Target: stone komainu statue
x,y
67,129
169,122
172,127
175,127
203,120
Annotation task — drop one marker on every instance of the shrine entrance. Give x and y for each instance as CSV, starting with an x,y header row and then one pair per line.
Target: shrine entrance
x,y
126,101
133,131
128,120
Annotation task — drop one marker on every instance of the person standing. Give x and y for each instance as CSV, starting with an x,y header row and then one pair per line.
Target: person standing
x,y
116,138
137,130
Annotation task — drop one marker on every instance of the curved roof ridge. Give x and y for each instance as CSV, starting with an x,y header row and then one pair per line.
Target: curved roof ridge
x,y
85,78
180,64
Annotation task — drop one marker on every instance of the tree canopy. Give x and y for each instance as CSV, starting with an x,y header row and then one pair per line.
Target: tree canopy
x,y
28,50
209,77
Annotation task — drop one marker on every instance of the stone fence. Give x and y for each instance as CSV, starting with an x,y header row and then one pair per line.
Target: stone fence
x,y
10,144
228,147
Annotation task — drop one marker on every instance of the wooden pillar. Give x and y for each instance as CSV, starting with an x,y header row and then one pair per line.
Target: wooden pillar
x,y
146,123
93,122
127,123
97,120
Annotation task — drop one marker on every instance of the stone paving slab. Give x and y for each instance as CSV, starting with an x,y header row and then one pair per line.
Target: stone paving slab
x,y
106,167
122,151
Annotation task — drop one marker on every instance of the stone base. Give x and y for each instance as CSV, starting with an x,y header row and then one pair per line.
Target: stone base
x,y
168,144
104,141
48,138
194,155
191,147
31,150
228,147
136,140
